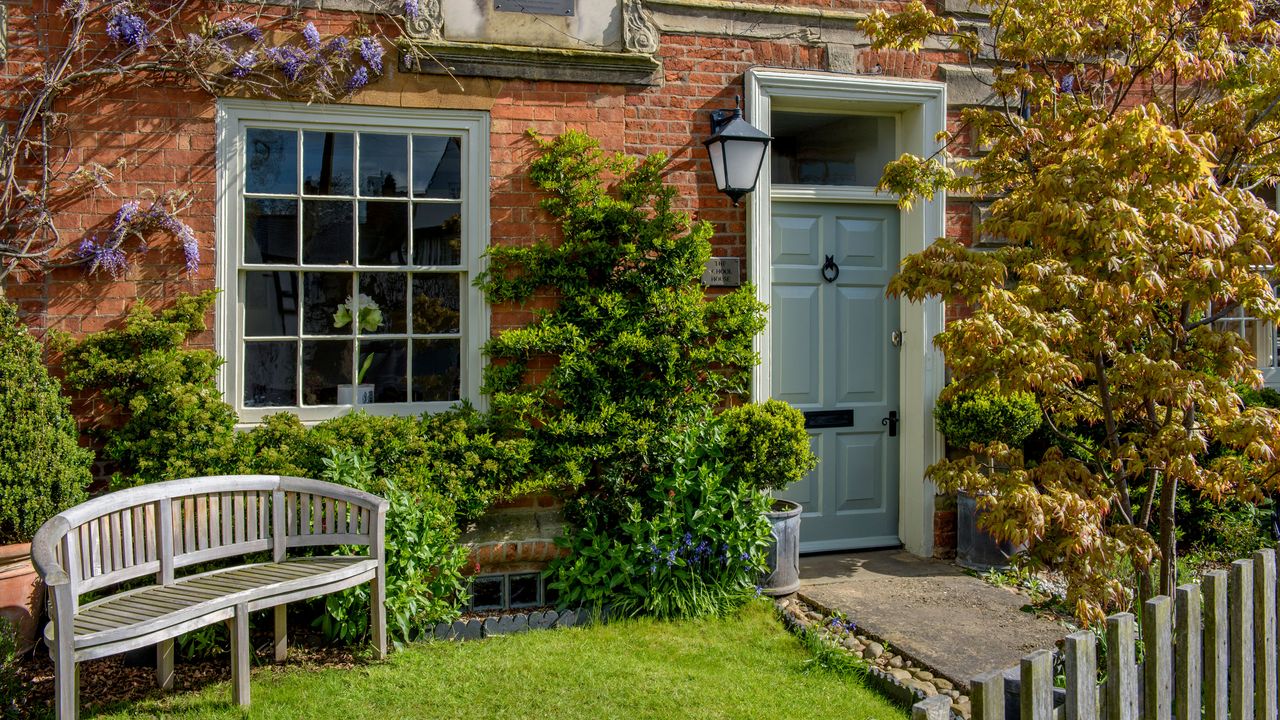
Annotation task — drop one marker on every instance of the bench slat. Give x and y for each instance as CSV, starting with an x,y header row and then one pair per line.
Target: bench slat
x,y
189,524
114,618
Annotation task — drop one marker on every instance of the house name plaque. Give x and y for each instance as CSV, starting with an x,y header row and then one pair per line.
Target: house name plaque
x,y
723,272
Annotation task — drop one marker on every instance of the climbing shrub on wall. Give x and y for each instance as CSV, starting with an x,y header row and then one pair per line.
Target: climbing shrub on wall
x,y
632,341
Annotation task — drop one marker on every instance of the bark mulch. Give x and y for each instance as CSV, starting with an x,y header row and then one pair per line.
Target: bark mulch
x,y
128,678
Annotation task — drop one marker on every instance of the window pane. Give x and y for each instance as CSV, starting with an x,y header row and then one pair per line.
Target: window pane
x,y
326,365
384,233
437,167
436,301
385,292
270,304
437,234
272,162
326,232
822,149
325,295
435,370
270,374
386,369
270,231
384,165
327,163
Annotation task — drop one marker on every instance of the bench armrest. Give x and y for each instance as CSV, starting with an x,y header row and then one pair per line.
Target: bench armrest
x,y
44,551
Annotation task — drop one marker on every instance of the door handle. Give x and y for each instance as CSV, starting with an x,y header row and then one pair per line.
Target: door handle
x,y
892,422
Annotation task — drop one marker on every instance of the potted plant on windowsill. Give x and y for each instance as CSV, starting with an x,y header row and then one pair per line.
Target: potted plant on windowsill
x,y
43,469
972,419
367,317
768,444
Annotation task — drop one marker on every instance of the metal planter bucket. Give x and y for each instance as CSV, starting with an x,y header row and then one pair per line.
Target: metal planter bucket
x,y
784,553
976,549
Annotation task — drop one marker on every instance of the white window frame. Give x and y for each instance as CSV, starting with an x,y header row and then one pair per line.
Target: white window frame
x,y
233,115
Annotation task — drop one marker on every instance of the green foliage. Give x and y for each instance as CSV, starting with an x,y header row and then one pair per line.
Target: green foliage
x,y
11,683
632,343
986,417
175,423
42,467
457,455
767,443
424,560
690,544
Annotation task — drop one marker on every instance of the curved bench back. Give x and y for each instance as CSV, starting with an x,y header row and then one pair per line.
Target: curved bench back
x,y
153,529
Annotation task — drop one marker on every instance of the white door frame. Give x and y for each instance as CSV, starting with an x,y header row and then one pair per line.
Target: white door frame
x,y
921,109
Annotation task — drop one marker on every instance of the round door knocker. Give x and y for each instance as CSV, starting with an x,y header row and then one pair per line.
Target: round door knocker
x,y
830,270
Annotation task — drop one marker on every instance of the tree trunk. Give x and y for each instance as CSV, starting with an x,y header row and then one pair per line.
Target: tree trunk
x,y
1168,539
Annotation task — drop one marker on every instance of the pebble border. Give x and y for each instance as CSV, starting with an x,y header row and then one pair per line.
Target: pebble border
x,y
899,677
478,628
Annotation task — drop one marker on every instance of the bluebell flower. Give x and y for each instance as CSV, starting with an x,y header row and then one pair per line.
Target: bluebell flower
x,y
126,28
688,539
358,79
746,556
371,52
237,26
759,590
312,36
671,558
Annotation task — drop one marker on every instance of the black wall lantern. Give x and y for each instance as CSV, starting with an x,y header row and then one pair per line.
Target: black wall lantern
x,y
737,150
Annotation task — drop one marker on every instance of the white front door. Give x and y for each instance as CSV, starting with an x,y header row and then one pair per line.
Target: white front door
x,y
834,345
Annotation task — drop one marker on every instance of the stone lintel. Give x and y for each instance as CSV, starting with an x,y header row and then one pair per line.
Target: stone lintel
x,y
529,63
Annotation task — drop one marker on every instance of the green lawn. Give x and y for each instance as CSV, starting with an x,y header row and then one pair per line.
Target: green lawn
x,y
746,666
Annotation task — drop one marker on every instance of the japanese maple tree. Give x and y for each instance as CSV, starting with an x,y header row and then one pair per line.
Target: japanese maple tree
x,y
1128,147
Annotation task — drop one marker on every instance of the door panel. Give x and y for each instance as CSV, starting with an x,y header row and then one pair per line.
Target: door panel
x,y
831,350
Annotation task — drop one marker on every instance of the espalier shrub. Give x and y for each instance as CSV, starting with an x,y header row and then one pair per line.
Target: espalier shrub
x,y
425,584
632,342
175,423
767,443
43,469
985,417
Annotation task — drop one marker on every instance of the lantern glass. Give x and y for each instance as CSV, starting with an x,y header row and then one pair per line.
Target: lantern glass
x,y
715,150
742,158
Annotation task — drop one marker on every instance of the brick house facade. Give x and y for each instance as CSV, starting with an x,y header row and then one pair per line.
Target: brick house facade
x,y
642,76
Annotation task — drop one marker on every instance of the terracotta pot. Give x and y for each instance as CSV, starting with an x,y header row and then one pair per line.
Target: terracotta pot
x,y
21,592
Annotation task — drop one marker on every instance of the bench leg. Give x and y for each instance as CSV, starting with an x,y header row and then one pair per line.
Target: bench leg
x,y
378,610
281,633
240,656
164,664
66,699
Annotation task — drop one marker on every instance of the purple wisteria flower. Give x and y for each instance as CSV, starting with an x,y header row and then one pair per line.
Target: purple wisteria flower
x,y
127,28
337,46
289,59
358,79
312,36
411,9
371,52
244,64
103,256
127,214
237,27
74,8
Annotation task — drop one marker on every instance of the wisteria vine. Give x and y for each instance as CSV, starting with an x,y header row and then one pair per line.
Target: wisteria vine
x,y
85,43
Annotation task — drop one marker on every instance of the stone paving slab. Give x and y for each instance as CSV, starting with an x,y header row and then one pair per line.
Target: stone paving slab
x,y
929,610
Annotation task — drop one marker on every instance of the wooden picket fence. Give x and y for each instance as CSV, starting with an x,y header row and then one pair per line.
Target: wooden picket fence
x,y
1209,653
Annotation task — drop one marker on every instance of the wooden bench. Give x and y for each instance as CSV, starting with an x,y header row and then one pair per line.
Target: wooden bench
x,y
154,530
